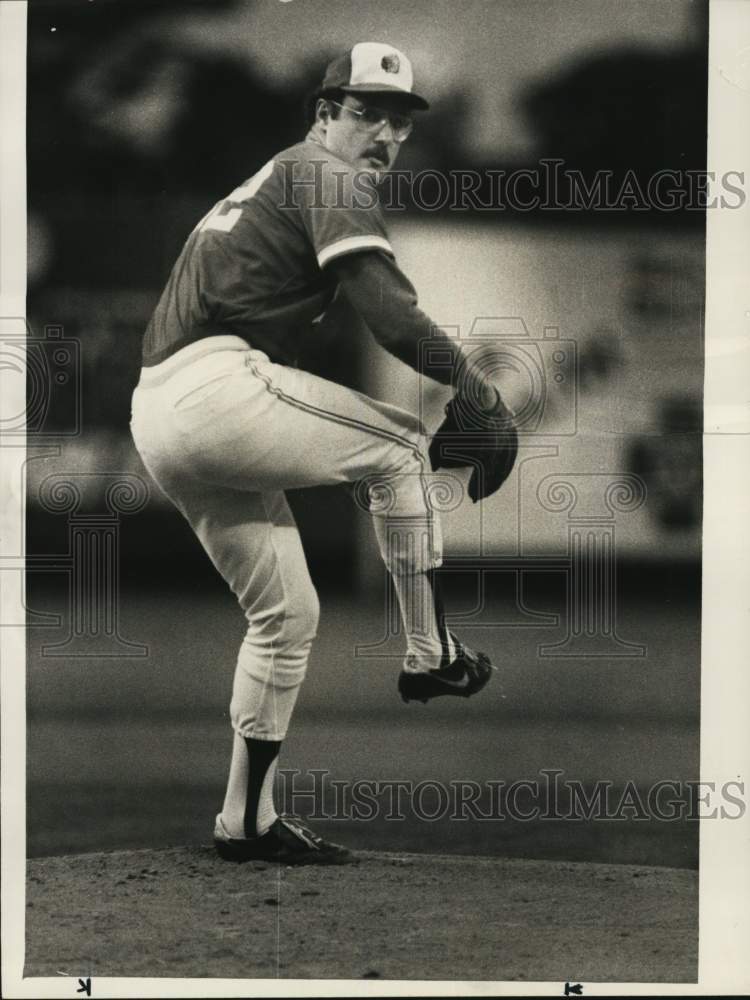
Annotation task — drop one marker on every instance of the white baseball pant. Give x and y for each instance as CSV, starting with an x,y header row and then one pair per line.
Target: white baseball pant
x,y
224,431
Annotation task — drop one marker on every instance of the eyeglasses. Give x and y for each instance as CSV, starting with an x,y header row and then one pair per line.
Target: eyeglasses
x,y
372,120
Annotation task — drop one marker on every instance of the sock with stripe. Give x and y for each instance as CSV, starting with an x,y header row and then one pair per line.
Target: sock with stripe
x,y
249,809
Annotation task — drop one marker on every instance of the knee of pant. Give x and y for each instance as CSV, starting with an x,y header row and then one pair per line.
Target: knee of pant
x,y
410,456
276,647
400,488
300,625
290,622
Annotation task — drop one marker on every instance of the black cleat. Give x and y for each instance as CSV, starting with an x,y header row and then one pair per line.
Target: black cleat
x,y
288,842
468,673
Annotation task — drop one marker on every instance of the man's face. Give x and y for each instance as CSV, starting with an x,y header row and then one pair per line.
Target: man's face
x,y
373,150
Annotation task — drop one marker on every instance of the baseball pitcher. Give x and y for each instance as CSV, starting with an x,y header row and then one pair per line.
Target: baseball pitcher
x,y
225,422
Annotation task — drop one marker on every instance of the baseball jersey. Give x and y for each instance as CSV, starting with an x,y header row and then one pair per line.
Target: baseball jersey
x,y
256,265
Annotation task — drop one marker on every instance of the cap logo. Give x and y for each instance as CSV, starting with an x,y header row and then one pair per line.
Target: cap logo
x,y
391,63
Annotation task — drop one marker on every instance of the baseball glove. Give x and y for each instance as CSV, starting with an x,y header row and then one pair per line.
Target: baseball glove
x,y
467,437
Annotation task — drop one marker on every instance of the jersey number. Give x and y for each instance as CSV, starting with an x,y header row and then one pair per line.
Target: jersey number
x,y
221,220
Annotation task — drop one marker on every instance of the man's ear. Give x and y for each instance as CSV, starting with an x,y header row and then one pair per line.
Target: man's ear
x,y
322,111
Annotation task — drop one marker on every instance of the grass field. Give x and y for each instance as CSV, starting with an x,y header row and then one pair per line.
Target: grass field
x,y
127,754
133,753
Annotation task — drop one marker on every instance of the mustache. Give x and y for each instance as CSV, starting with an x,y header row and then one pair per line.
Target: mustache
x,y
377,153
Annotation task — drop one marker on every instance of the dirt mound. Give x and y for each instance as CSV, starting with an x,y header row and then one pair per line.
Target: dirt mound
x,y
181,912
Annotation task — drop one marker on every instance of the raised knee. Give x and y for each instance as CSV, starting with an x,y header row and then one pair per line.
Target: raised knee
x,y
410,456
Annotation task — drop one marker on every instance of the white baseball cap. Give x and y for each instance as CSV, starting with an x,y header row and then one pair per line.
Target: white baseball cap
x,y
373,68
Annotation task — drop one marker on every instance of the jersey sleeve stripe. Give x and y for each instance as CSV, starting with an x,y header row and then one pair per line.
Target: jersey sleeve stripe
x,y
350,244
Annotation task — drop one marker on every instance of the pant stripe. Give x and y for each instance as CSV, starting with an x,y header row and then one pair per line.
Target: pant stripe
x,y
336,417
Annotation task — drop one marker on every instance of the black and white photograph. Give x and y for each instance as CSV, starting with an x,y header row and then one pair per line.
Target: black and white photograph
x,y
374,551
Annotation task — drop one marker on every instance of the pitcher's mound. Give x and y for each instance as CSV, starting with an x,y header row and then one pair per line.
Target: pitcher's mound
x,y
181,912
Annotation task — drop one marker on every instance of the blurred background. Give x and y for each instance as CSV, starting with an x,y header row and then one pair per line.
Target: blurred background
x,y
141,115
